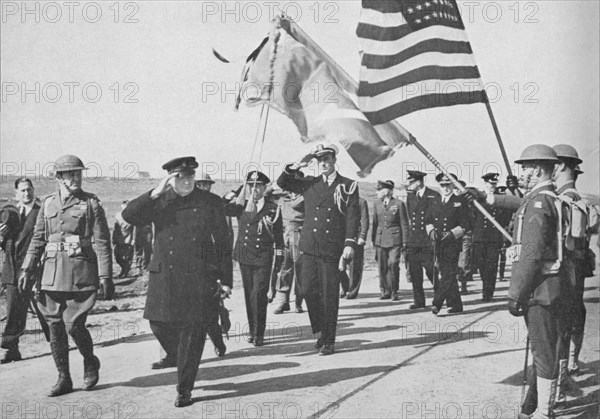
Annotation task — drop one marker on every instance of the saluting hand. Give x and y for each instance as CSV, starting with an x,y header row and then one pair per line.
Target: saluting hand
x,y
304,161
163,186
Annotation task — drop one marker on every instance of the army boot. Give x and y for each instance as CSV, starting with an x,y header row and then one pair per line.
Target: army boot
x,y
90,372
60,353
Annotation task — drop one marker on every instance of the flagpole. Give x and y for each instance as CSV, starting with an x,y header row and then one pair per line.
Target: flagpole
x,y
488,106
458,186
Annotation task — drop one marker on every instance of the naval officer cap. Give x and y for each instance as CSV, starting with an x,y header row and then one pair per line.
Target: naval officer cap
x,y
256,177
491,177
442,179
385,184
415,175
184,165
324,149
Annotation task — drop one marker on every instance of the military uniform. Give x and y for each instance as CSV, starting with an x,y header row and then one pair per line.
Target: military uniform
x,y
191,252
447,215
419,249
390,234
123,242
332,217
72,239
356,265
259,239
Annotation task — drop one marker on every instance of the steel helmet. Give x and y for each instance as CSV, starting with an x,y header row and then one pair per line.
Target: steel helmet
x,y
538,152
565,151
67,163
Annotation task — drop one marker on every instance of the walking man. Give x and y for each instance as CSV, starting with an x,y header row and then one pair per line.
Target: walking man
x,y
67,223
329,235
390,235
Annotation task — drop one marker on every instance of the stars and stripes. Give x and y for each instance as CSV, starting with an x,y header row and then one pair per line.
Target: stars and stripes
x,y
415,55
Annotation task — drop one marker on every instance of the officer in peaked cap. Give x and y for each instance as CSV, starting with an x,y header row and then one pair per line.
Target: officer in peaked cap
x,y
487,240
72,238
446,222
329,236
258,249
191,252
419,249
389,235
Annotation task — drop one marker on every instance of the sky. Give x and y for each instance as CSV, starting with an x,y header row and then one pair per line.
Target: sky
x,y
127,86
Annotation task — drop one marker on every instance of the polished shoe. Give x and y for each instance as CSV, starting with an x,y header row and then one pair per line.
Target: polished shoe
x,y
299,309
183,399
319,344
416,306
395,297
435,310
166,362
452,310
343,294
327,350
350,297
250,339
220,351
12,355
64,385
385,297
259,341
90,373
282,308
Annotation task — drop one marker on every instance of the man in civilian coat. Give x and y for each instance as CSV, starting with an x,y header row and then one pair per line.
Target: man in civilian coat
x,y
329,235
16,231
446,221
390,234
72,238
191,252
356,266
419,249
258,249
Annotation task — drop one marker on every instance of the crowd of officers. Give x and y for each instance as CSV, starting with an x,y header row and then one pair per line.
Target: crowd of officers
x,y
306,234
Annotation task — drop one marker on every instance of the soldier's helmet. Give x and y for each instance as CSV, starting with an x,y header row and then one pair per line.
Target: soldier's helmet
x,y
67,163
567,152
538,152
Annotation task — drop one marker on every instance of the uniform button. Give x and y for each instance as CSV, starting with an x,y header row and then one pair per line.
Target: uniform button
x,y
170,266
62,233
328,209
62,222
315,218
170,238
258,239
315,230
317,207
257,246
246,231
245,245
170,252
327,231
328,220
193,239
195,210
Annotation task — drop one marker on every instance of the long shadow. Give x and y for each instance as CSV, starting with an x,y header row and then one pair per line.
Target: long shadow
x,y
289,382
210,373
483,354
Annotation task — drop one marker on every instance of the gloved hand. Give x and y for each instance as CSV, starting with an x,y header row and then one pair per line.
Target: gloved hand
x,y
512,183
516,309
473,194
433,235
25,282
108,288
447,237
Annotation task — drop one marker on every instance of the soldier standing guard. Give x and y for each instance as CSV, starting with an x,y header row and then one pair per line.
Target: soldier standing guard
x,y
259,244
329,234
487,241
68,223
390,234
191,252
419,249
446,222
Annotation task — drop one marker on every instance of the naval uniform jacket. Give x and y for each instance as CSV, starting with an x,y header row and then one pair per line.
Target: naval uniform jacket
x,y
450,216
329,224
191,251
260,235
16,241
390,224
483,229
417,208
72,240
539,219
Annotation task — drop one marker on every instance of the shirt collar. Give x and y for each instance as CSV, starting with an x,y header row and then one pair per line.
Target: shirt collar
x,y
28,207
260,204
421,192
541,184
329,179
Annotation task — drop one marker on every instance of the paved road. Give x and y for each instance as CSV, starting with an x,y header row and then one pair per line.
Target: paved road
x,y
389,362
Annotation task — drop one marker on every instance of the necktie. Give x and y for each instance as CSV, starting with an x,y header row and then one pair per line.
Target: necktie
x,y
22,215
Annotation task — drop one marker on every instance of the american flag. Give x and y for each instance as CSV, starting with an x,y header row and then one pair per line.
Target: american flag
x,y
415,55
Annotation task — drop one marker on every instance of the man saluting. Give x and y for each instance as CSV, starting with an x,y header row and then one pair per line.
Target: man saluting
x,y
329,234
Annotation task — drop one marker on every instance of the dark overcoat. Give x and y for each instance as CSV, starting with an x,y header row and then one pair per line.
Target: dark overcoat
x,y
417,208
191,251
16,240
